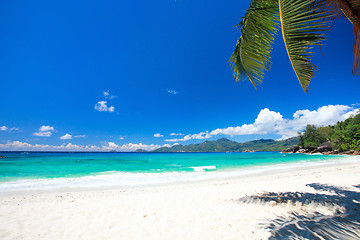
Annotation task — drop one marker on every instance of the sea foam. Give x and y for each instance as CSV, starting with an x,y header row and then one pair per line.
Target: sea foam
x,y
127,179
203,168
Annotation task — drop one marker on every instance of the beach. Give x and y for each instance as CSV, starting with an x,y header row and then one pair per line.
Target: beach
x,y
180,120
228,208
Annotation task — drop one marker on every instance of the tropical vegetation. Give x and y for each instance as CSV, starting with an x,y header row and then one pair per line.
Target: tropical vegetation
x,y
303,24
343,136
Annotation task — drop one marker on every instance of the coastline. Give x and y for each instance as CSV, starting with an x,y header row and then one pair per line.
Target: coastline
x,y
199,173
210,209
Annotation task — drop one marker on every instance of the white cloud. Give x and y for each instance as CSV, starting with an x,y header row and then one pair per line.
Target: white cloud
x,y
113,145
66,137
271,122
129,147
5,128
158,135
173,92
202,135
81,136
101,106
108,95
266,122
42,134
351,113
177,134
121,138
107,146
23,146
283,137
15,144
44,131
46,128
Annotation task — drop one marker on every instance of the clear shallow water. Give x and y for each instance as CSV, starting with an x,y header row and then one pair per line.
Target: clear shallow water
x,y
27,171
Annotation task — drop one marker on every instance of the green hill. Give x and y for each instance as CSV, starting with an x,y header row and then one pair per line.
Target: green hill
x,y
226,145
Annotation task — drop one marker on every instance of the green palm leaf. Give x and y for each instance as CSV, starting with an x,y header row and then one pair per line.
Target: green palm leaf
x,y
303,26
251,57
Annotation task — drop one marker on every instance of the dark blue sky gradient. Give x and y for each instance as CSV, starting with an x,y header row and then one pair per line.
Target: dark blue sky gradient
x,y
57,58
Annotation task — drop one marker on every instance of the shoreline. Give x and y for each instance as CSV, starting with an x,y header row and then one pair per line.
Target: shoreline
x,y
264,173
208,209
141,180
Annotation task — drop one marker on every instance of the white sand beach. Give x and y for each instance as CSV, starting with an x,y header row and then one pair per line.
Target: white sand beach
x,y
216,209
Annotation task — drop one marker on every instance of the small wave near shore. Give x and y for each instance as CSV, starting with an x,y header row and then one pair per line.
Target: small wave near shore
x,y
127,179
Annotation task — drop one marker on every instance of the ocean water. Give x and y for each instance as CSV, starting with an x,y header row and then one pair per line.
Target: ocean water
x,y
35,171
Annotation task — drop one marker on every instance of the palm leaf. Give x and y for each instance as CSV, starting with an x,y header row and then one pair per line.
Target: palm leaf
x,y
303,26
251,57
351,9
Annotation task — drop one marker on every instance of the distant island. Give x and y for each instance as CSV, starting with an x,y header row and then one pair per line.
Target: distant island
x,y
226,145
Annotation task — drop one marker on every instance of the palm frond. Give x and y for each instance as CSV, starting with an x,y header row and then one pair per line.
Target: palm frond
x,y
303,26
332,7
251,57
351,9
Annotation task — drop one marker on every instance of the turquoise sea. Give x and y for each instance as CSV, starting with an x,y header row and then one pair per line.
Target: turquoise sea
x,y
29,170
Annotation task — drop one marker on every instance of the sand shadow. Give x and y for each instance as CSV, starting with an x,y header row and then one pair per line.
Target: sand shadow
x,y
343,224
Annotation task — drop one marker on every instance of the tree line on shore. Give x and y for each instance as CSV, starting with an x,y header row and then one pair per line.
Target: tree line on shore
x,y
343,137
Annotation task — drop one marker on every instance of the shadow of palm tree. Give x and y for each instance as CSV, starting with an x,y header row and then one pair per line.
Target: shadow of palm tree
x,y
343,224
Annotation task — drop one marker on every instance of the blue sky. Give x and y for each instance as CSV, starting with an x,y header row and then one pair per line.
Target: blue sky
x,y
162,67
